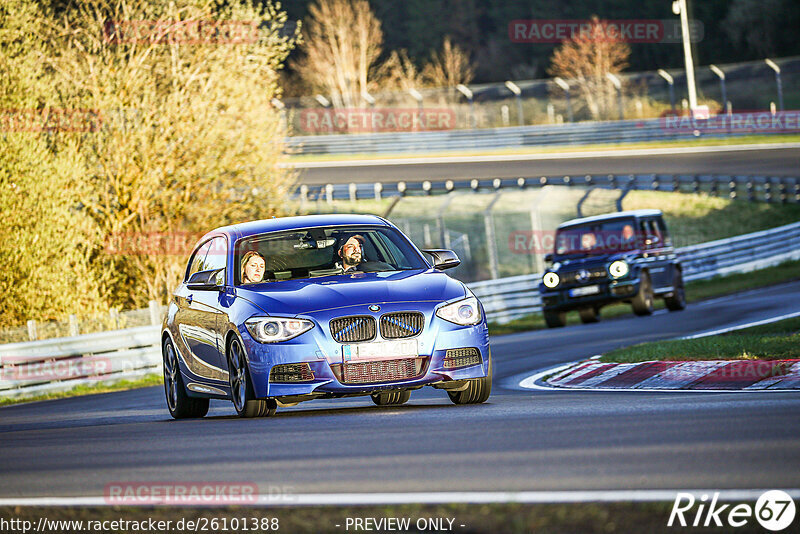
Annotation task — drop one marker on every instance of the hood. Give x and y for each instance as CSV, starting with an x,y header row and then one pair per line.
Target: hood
x,y
293,297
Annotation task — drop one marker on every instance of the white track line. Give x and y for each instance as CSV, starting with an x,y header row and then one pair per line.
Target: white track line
x,y
742,326
422,160
361,499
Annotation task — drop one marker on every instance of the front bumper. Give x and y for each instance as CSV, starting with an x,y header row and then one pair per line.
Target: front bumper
x,y
324,357
559,299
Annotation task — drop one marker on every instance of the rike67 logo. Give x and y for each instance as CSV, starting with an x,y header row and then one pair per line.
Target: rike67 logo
x,y
774,510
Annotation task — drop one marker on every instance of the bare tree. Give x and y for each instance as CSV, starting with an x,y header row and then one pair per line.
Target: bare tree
x,y
342,43
586,59
448,67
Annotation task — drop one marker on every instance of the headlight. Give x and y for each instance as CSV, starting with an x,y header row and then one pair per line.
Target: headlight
x,y
618,269
276,329
464,312
551,280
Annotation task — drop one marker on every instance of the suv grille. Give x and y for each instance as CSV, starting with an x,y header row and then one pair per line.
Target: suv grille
x,y
380,371
353,329
401,324
571,277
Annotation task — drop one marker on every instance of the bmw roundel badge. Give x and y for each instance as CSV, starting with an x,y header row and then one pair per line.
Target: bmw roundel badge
x,y
375,308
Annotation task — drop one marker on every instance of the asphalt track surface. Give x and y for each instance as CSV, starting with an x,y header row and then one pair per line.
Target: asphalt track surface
x,y
771,162
518,440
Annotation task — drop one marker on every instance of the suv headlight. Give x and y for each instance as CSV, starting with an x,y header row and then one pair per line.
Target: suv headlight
x,y
464,312
618,269
551,280
276,329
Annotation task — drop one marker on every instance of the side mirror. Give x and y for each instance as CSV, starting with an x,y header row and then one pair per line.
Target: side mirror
x,y
443,258
206,280
548,257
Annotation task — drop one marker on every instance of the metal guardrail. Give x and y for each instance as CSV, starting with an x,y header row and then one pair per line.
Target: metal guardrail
x,y
60,364
581,133
63,363
753,188
506,299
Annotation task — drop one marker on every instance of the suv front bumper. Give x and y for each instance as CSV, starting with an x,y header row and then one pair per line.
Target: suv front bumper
x,y
560,299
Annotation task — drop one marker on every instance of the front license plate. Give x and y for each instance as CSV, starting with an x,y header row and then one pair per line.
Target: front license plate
x,y
381,350
583,291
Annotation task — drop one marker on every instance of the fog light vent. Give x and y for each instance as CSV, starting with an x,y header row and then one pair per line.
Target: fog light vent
x,y
291,372
455,358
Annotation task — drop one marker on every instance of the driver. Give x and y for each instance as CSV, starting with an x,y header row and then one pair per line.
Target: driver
x,y
352,253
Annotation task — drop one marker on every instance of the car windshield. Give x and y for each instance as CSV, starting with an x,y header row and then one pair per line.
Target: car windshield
x,y
597,238
313,252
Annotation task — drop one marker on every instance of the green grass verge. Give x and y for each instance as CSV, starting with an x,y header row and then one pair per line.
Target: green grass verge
x,y
695,291
744,140
145,381
775,341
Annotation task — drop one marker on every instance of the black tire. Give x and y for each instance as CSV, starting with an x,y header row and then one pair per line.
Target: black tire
x,y
477,391
179,403
244,401
677,301
390,398
589,315
555,319
642,303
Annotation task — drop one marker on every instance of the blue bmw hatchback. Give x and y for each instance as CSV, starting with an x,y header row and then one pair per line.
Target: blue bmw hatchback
x,y
272,313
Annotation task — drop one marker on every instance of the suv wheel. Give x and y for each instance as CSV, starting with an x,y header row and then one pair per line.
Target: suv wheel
x,y
677,301
589,315
642,303
179,403
244,400
555,319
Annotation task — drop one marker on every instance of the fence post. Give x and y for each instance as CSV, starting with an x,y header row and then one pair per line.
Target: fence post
x,y
113,313
378,188
491,242
74,329
155,316
32,334
352,190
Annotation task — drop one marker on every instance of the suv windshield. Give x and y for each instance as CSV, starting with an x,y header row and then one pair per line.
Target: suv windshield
x,y
597,238
312,252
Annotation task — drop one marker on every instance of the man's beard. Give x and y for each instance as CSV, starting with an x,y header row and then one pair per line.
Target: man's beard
x,y
352,259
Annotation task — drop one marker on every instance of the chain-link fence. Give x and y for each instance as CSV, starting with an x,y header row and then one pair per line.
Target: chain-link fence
x,y
747,86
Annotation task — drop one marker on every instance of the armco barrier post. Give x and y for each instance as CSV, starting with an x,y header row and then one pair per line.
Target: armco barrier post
x,y
32,334
155,316
74,330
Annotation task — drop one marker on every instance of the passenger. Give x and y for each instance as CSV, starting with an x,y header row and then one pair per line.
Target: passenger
x,y
627,233
588,241
352,253
253,265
